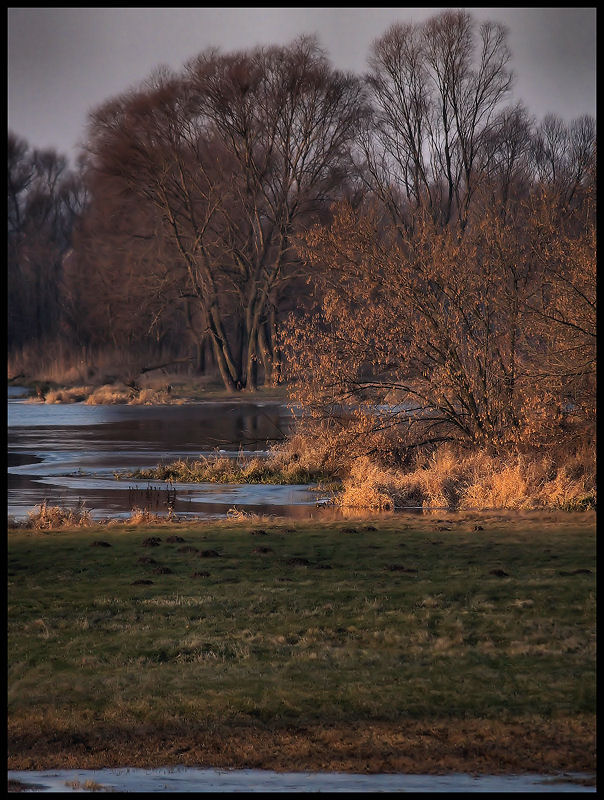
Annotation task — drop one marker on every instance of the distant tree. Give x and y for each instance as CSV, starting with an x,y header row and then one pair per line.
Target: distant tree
x,y
235,155
435,90
45,199
506,160
457,301
564,155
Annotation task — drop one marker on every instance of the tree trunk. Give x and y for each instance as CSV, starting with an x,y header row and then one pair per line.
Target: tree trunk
x,y
264,346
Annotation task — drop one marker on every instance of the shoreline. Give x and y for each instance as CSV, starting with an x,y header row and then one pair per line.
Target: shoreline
x,y
414,746
152,394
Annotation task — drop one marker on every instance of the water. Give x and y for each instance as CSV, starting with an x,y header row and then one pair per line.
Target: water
x,y
187,779
69,453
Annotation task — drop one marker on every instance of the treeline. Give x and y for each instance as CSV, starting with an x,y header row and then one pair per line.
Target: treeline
x,y
45,201
403,234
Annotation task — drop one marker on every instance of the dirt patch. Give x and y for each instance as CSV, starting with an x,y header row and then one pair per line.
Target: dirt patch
x,y
202,574
263,551
258,532
162,571
17,786
582,571
174,539
152,541
100,544
146,560
209,554
187,549
297,561
411,746
142,582
400,568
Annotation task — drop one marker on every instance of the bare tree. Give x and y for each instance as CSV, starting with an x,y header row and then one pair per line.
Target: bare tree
x,y
235,155
436,89
44,200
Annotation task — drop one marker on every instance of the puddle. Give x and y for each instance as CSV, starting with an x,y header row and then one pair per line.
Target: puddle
x,y
188,779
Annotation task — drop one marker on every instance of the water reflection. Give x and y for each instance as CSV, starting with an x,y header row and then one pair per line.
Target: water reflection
x,y
65,454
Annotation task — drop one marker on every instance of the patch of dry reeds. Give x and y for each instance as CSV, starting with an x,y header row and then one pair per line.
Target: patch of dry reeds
x,y
150,397
76,394
46,517
110,394
471,481
62,363
142,516
315,449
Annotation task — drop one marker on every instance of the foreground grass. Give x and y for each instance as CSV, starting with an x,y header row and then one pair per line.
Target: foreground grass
x,y
408,643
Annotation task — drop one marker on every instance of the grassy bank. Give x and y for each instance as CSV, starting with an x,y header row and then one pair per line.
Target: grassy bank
x,y
416,643
474,481
220,469
148,392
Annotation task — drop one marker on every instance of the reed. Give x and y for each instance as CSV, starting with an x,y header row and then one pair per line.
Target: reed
x,y
46,517
478,480
222,469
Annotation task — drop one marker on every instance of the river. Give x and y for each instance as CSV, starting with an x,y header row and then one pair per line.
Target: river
x,y
69,453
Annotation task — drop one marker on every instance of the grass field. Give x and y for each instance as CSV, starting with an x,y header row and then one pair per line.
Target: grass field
x,y
409,643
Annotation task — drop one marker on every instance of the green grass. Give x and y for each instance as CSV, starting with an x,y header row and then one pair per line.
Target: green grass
x,y
348,637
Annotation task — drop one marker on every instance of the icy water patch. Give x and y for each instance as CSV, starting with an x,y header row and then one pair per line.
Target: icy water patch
x,y
69,454
187,779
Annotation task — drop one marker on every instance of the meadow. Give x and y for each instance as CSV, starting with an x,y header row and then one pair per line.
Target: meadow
x,y
422,643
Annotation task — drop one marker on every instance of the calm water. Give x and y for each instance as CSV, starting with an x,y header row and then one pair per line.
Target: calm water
x,y
69,453
255,780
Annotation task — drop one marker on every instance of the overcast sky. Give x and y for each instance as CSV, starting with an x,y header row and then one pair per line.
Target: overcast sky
x,y
64,61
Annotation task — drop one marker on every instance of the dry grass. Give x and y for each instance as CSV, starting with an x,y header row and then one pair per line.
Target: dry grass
x,y
119,393
236,515
75,394
434,746
109,394
45,517
62,363
142,516
472,481
150,397
224,469
314,447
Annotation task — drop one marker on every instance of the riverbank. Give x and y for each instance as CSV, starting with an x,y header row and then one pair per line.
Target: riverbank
x,y
165,390
438,643
429,747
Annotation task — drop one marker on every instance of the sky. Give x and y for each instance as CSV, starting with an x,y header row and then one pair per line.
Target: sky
x,y
63,62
